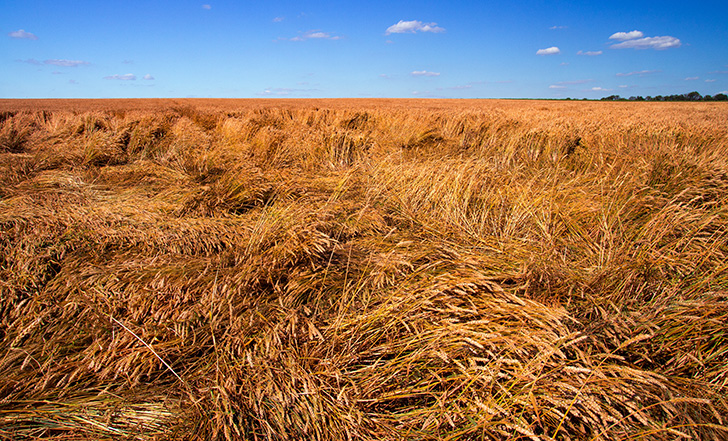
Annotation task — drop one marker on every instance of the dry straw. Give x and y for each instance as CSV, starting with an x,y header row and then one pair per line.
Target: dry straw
x,y
363,270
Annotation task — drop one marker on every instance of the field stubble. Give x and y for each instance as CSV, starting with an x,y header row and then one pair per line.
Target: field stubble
x,y
363,269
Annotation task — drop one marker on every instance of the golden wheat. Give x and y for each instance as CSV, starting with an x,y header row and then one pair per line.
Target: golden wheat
x,y
363,269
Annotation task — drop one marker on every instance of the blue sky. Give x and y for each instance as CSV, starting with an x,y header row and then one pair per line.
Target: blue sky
x,y
465,49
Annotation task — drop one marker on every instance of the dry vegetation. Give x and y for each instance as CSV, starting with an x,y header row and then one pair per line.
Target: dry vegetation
x,y
363,270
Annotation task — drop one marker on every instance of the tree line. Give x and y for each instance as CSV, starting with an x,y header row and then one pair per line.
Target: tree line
x,y
692,96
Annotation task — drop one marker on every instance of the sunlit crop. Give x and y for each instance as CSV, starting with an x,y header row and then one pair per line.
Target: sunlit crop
x,y
363,270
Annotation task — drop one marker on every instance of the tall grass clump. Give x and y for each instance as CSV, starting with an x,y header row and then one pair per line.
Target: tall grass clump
x,y
363,270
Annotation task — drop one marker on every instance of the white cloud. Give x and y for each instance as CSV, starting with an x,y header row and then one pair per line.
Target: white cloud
x,y
589,53
125,77
424,93
411,27
692,78
719,72
424,73
208,7
278,19
657,43
285,91
22,34
316,35
554,28
622,36
639,72
623,86
277,92
601,89
66,63
548,51
557,86
710,81
147,77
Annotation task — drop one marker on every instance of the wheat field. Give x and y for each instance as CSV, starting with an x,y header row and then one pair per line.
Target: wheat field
x,y
363,270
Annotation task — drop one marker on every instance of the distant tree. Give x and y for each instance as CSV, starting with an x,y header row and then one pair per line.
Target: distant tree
x,y
694,96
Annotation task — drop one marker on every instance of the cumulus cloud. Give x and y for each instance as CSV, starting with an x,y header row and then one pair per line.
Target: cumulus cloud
x,y
639,72
657,43
22,34
589,53
278,19
692,78
66,63
622,36
208,7
710,81
315,35
125,77
553,50
601,89
424,73
413,26
147,77
554,28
